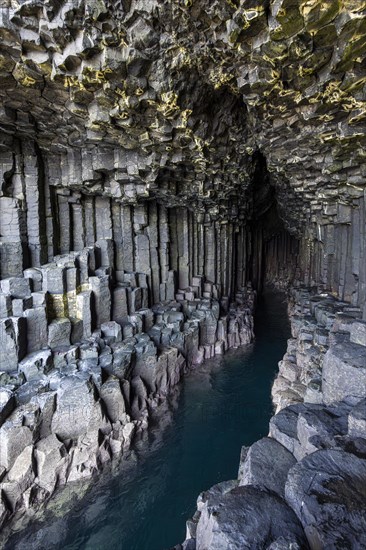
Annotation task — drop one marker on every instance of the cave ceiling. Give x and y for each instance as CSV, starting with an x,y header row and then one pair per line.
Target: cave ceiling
x,y
173,99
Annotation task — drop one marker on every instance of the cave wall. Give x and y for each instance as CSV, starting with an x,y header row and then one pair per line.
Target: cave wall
x,y
72,260
179,103
159,163
44,215
330,255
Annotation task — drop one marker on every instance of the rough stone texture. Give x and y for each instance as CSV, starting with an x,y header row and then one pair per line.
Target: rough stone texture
x,y
327,492
84,401
323,363
358,333
315,455
158,162
108,104
246,517
357,420
266,466
344,372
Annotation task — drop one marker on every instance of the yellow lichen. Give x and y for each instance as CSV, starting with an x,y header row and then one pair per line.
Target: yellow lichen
x,y
168,106
185,116
304,71
326,118
73,82
28,81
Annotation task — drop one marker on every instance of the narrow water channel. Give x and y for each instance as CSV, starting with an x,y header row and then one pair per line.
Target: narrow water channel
x,y
221,406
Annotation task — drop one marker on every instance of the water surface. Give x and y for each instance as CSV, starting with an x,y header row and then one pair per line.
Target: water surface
x,y
221,406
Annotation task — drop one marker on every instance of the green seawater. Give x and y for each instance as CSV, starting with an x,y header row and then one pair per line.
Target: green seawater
x,y
196,443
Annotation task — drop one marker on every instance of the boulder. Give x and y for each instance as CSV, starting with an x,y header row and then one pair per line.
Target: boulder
x,y
14,438
7,403
266,466
34,365
17,287
19,478
327,492
358,333
112,397
306,427
247,517
357,420
50,457
111,331
78,411
344,372
59,332
13,338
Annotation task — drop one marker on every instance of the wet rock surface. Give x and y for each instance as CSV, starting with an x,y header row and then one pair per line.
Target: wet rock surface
x,y
246,517
265,457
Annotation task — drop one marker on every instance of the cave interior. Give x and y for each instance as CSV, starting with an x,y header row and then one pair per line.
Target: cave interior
x,y
160,164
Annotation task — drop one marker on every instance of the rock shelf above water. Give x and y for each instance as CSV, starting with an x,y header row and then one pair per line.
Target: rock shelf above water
x,y
309,474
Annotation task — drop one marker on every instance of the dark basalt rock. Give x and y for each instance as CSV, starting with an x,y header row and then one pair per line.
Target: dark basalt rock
x,y
246,517
160,161
266,466
327,492
315,455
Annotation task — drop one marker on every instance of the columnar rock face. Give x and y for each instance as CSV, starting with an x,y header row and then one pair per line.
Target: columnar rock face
x,y
108,104
85,359
159,162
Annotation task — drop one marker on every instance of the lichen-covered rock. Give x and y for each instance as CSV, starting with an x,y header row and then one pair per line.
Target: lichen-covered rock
x,y
157,159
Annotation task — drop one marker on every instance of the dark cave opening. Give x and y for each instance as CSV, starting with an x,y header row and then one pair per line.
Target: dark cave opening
x,y
274,250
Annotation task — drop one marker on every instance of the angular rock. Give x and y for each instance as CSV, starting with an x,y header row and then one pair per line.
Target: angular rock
x,y
358,333
357,420
344,372
59,332
7,403
112,396
13,342
266,466
78,411
50,460
246,517
326,490
14,438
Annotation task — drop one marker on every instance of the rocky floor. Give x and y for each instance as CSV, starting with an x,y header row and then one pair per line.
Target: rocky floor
x,y
303,486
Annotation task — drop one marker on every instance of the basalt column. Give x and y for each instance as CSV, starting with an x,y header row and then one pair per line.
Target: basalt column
x,y
160,163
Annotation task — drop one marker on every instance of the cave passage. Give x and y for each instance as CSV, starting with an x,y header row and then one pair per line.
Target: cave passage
x,y
163,167
223,404
274,254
